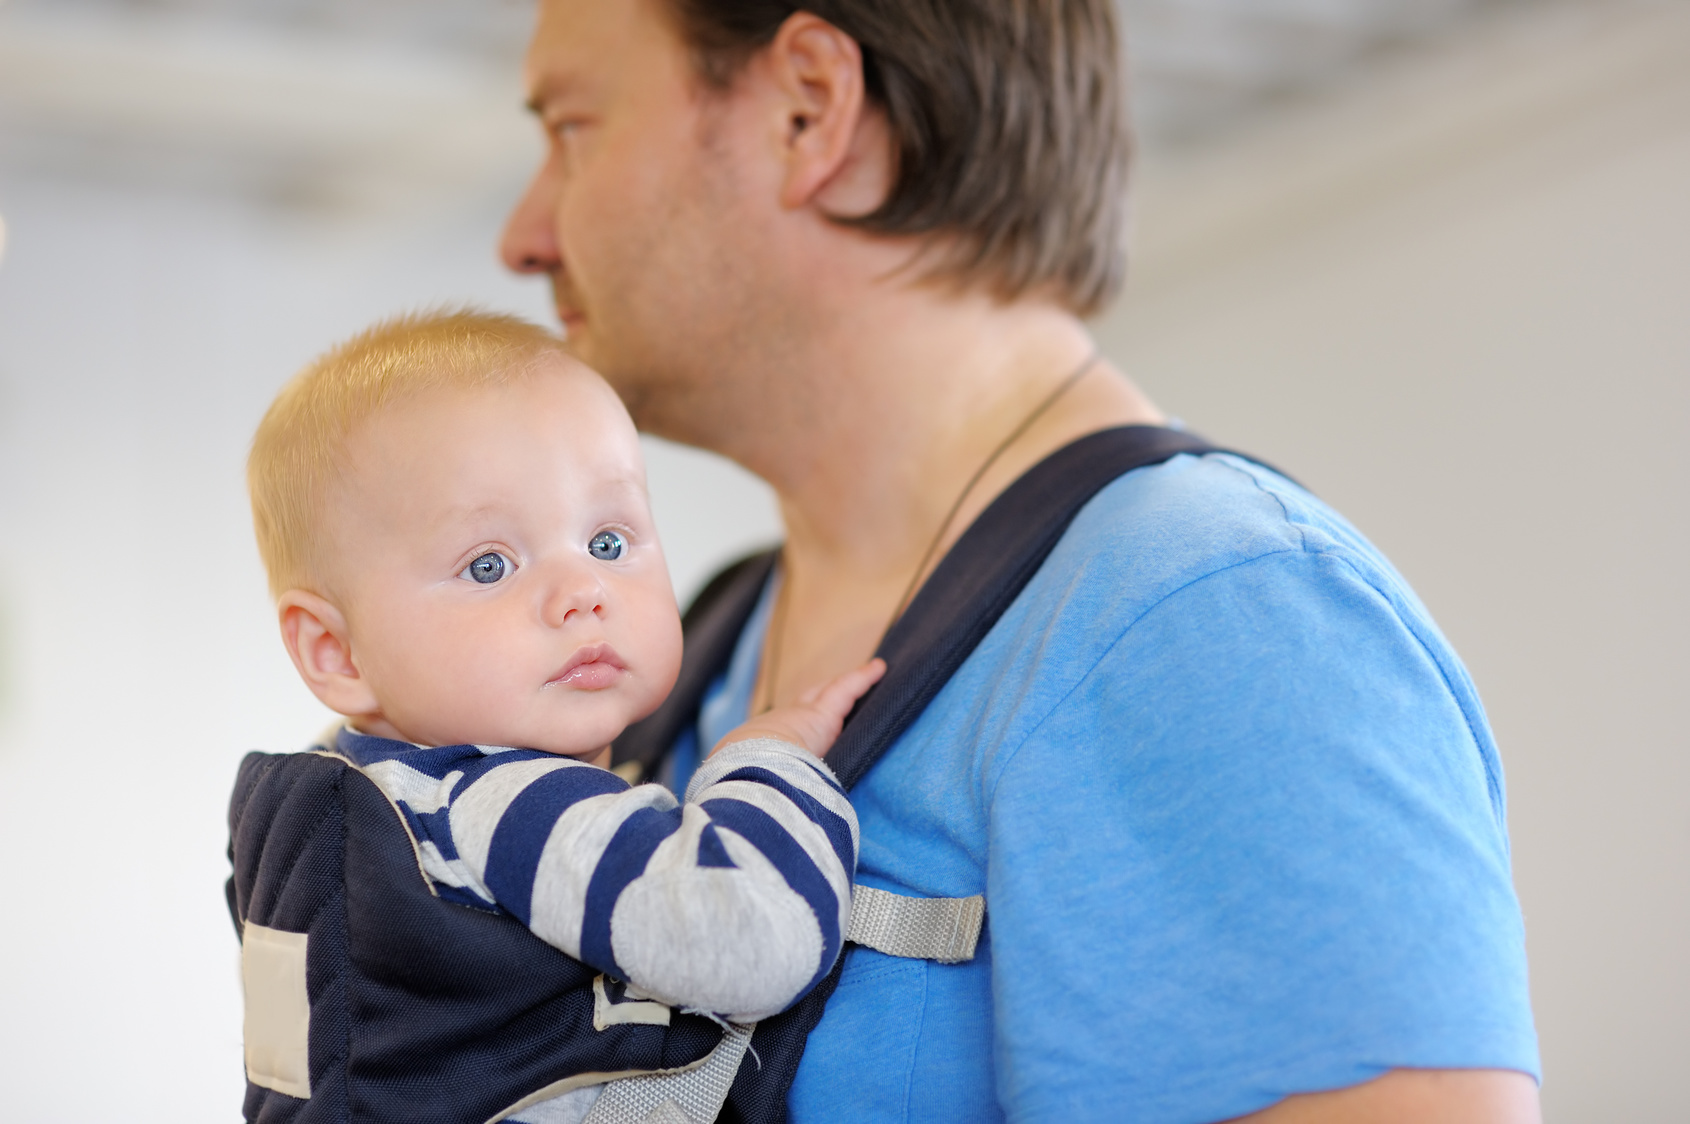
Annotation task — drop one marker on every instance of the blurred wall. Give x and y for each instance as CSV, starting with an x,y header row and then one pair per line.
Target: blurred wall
x,y
158,286
1456,303
1448,293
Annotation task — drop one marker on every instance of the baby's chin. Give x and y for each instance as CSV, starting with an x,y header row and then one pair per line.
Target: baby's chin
x,y
581,728
505,739
589,754
583,739
585,747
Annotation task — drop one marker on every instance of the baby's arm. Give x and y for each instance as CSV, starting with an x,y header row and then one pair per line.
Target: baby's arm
x,y
735,903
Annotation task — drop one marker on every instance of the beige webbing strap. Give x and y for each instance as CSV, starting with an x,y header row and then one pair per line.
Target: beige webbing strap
x,y
942,929
693,1096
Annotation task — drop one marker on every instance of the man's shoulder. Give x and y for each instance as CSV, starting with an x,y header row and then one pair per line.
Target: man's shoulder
x,y
1165,543
1206,577
1158,529
1191,544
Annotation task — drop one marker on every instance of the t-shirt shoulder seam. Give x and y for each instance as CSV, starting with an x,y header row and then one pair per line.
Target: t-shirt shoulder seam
x,y
1226,461
1343,555
1340,555
1493,783
1302,546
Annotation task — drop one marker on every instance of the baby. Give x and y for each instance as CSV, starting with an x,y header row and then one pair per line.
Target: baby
x,y
454,519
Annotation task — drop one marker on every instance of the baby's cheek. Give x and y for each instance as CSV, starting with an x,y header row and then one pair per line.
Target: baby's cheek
x,y
651,643
454,688
661,636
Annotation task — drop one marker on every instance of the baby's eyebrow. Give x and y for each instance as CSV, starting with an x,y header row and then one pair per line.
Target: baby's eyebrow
x,y
627,487
469,512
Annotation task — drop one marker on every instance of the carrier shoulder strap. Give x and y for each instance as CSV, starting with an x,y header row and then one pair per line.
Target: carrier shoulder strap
x,y
983,574
974,583
972,586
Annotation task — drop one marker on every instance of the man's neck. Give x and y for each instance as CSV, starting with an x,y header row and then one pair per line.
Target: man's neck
x,y
878,431
869,411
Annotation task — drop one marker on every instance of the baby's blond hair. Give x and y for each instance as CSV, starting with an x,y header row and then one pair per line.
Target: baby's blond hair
x,y
300,446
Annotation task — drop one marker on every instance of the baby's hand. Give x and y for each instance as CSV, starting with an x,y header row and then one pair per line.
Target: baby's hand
x,y
815,721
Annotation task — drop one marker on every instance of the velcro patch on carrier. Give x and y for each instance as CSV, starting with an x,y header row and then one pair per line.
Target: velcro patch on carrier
x,y
277,1027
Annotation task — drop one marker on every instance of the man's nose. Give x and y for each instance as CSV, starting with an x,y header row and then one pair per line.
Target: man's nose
x,y
529,241
573,591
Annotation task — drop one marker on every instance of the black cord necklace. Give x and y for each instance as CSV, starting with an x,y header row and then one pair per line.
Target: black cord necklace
x,y
777,625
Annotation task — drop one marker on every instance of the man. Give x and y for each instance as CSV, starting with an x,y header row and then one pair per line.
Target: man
x,y
1230,798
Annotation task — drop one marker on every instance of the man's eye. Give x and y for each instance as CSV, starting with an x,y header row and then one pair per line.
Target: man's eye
x,y
565,132
606,546
487,569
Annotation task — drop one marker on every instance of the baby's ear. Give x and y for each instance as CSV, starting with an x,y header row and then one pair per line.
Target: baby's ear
x,y
317,639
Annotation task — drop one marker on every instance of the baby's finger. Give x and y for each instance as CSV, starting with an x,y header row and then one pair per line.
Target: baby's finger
x,y
838,696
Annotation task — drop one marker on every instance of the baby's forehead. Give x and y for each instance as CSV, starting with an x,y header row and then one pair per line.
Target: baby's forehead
x,y
447,438
554,391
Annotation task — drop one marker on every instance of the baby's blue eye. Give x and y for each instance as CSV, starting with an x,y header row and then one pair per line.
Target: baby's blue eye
x,y
606,546
487,569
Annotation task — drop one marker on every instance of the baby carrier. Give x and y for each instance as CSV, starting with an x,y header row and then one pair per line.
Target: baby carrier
x,y
370,999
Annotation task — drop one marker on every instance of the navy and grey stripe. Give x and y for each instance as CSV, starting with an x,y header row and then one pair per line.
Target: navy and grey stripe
x,y
736,902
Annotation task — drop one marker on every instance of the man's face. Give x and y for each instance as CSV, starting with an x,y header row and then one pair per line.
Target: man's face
x,y
638,215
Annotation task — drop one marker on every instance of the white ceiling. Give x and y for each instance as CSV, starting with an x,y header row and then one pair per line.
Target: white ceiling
x,y
1197,64
327,103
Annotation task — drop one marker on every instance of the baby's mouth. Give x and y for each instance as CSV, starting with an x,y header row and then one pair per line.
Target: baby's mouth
x,y
592,668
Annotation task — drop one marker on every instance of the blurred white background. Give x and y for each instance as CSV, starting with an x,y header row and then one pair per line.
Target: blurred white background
x,y
1432,258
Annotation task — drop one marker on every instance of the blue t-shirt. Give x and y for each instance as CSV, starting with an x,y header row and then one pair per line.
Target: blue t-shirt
x,y
1237,815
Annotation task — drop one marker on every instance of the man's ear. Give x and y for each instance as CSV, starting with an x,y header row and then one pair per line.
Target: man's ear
x,y
838,149
317,639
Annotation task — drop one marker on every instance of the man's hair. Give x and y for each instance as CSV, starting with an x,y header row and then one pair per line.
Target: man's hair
x,y
301,445
1009,120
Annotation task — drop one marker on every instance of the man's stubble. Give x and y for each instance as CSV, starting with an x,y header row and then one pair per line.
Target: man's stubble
x,y
687,327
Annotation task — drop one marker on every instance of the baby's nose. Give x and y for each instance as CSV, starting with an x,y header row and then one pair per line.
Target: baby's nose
x,y
574,592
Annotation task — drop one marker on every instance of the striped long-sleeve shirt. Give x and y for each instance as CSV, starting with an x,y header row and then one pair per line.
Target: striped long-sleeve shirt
x,y
736,902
